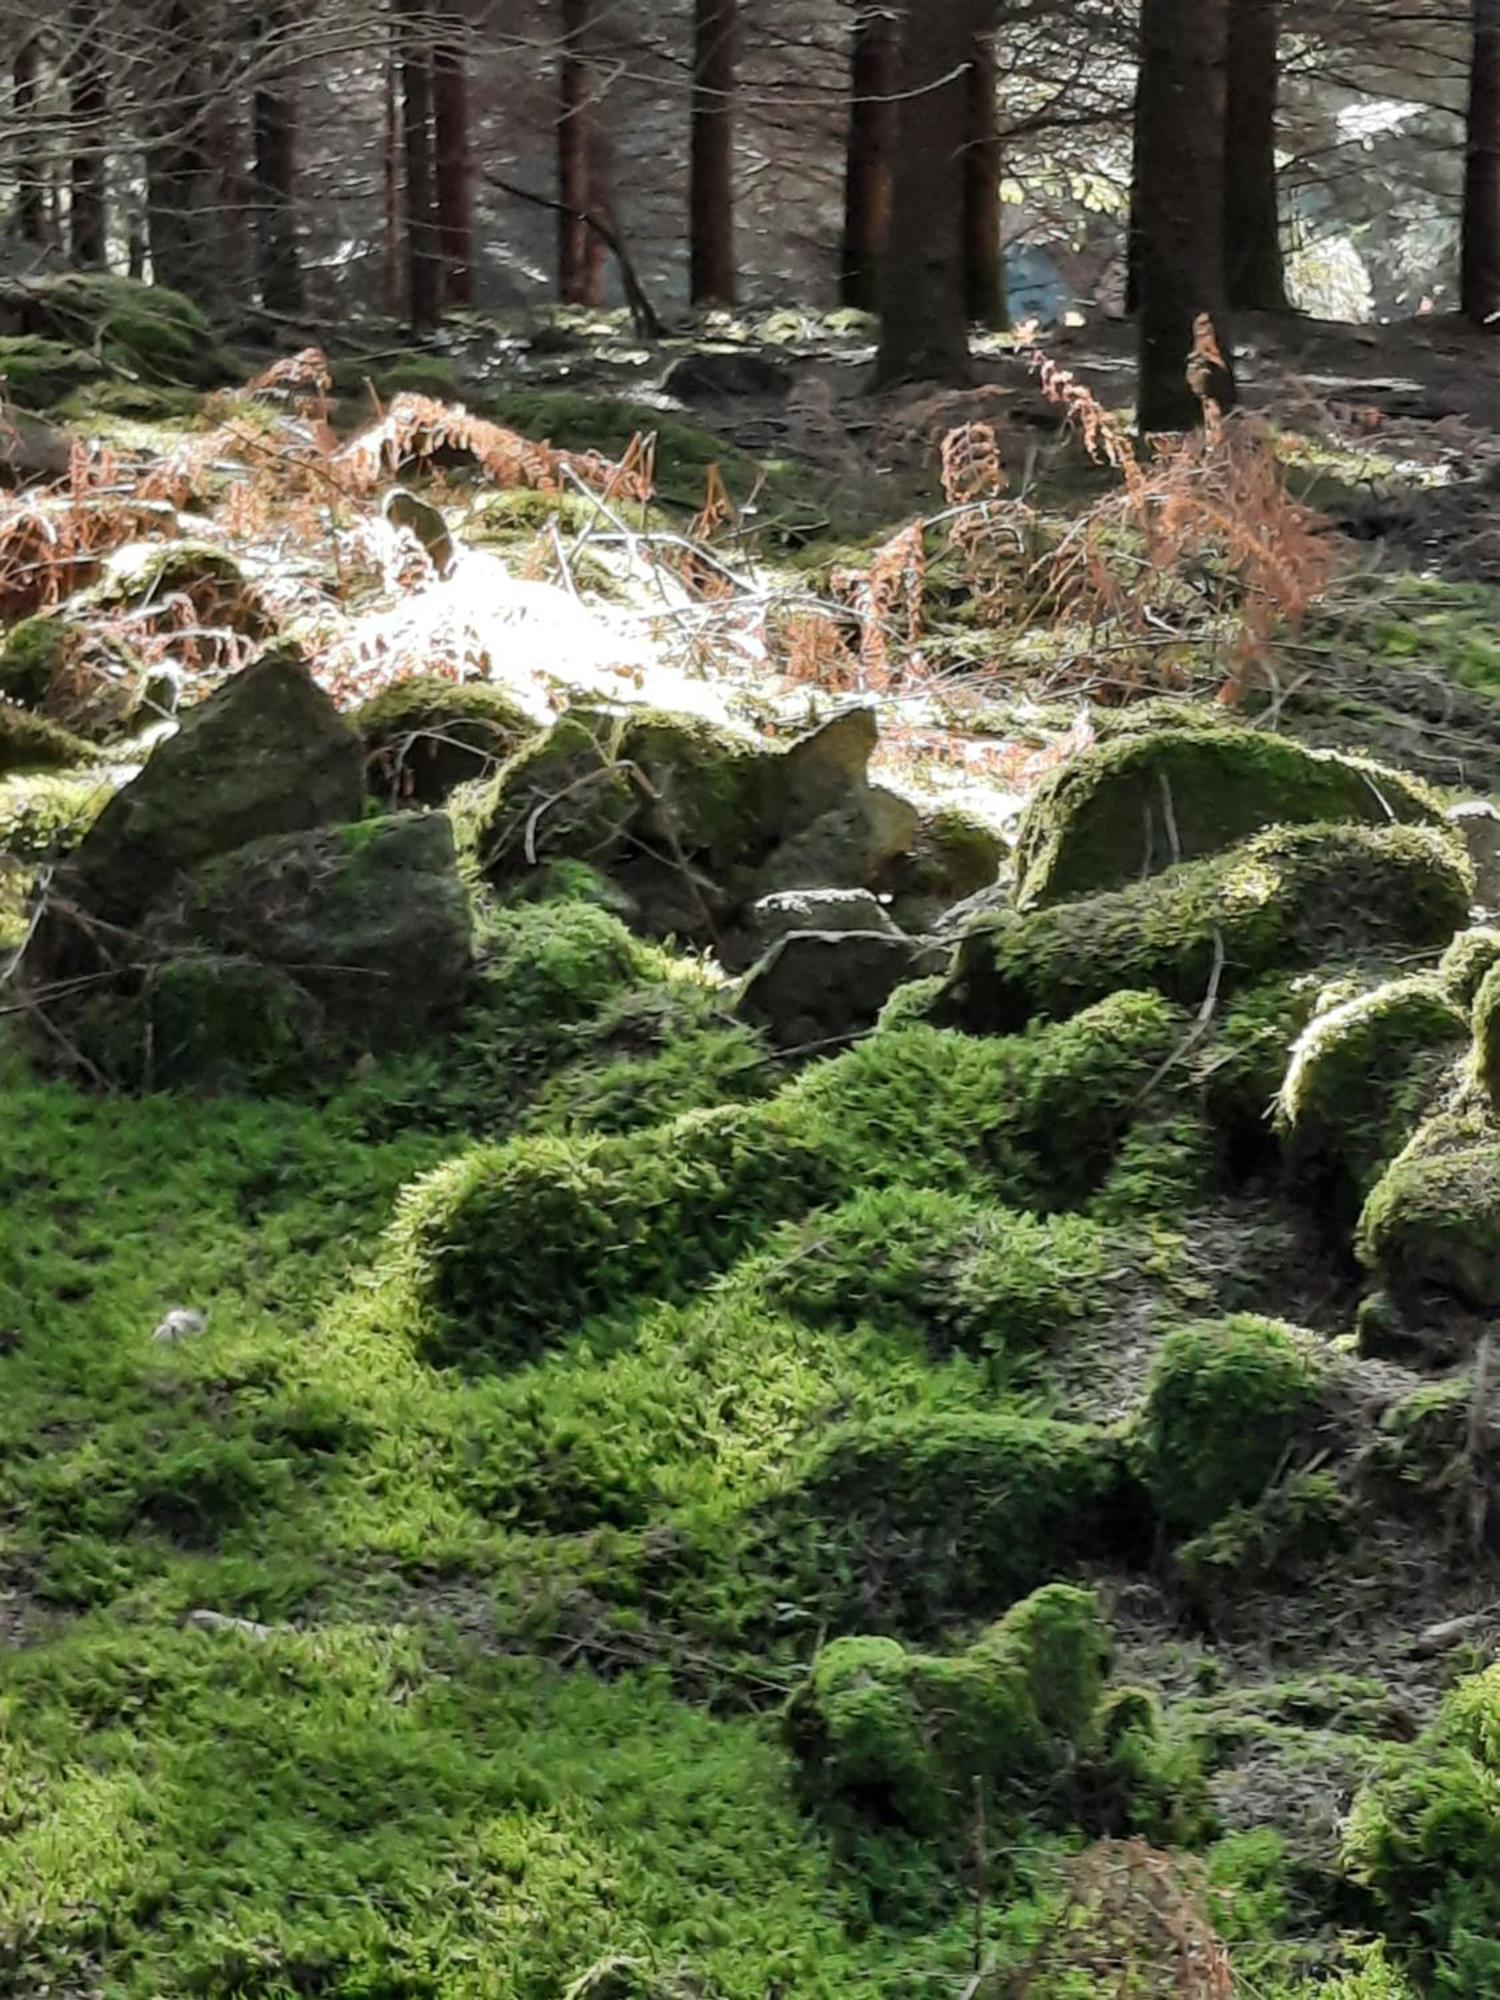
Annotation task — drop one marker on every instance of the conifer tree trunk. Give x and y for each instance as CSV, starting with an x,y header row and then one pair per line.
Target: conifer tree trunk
x,y
601,201
925,324
454,158
88,111
573,155
274,115
424,264
25,95
1481,239
984,269
873,77
1256,274
394,263
1179,218
181,185
714,275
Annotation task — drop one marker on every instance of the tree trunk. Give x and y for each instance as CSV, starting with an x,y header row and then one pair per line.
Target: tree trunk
x,y
455,162
1179,182
274,112
88,110
715,277
573,161
391,171
1481,251
924,335
1256,275
31,209
873,81
984,269
601,196
424,264
181,189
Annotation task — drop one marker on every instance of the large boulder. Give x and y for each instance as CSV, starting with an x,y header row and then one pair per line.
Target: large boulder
x,y
1138,803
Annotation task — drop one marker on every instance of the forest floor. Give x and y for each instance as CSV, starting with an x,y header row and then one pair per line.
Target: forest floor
x,y
326,1669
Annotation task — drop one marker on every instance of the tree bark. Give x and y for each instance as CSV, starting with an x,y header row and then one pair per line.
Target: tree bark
x,y
574,164
181,190
873,81
1256,274
924,335
455,162
1179,220
1481,240
424,264
395,263
984,268
31,208
274,114
714,276
88,111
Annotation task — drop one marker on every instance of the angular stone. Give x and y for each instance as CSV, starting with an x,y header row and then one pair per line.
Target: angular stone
x,y
820,986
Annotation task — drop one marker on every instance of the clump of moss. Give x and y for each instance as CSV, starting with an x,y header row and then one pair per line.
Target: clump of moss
x,y
1241,1063
953,856
1424,1838
1430,1231
142,330
1359,1080
44,816
1136,804
1463,965
425,736
37,372
1287,899
31,743
907,1522
1230,1402
884,1735
1487,1036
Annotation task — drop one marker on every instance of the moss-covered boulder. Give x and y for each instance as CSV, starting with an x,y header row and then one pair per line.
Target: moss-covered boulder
x,y
816,990
1291,898
1136,804
884,1734
1430,1235
693,821
1464,964
146,331
72,671
1360,1080
36,372
904,1523
44,815
1231,1403
31,743
425,736
1487,1036
952,857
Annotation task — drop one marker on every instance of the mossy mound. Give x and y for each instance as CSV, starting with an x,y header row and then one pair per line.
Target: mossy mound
x,y
425,736
513,1247
884,1735
1290,898
1360,1079
44,816
1430,1231
36,372
1139,803
31,743
1424,1838
85,679
1463,965
1487,1036
136,329
905,1523
953,856
1230,1403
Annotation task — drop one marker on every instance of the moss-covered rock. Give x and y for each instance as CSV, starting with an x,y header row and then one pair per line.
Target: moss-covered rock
x,y
36,372
907,1522
44,815
1230,1404
140,330
1430,1231
884,1734
1139,803
31,743
73,672
816,990
1463,965
1241,1064
1290,898
143,575
953,856
1360,1079
425,736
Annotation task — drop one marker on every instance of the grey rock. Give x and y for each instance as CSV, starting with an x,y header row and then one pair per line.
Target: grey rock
x,y
827,910
818,987
1477,823
712,374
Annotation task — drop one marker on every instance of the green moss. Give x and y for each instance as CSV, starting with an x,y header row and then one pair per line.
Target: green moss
x,y
425,736
883,1734
419,375
1449,627
30,743
1487,1036
37,372
910,1521
576,421
953,856
1230,1402
137,329
911,1005
1286,899
1358,1083
44,816
1135,804
1241,1064
1430,1231
525,511
1464,964
33,653
146,403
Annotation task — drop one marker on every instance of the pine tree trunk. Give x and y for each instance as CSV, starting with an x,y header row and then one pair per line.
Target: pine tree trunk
x,y
984,269
1256,275
714,276
181,185
924,335
455,163
31,210
424,264
88,111
1481,247
573,161
274,113
873,77
601,201
1179,221
395,263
